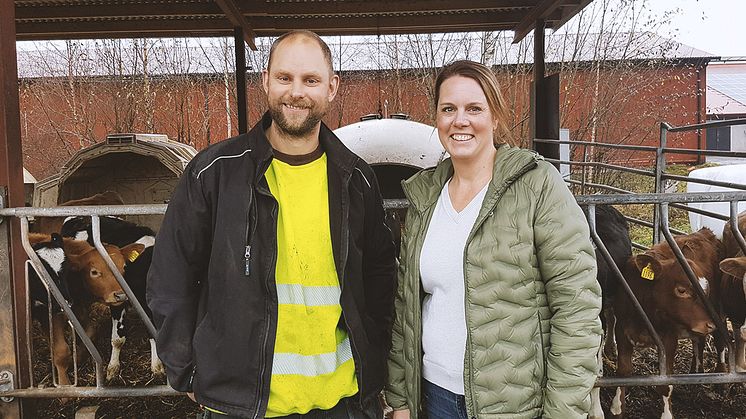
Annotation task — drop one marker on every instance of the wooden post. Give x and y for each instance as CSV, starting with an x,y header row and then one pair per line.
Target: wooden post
x,y
14,353
243,123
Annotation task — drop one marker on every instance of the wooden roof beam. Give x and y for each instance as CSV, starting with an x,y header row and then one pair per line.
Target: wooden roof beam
x,y
577,6
380,7
238,20
129,8
269,26
542,10
124,10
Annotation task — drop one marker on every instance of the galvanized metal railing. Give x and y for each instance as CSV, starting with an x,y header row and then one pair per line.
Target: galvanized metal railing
x,y
658,172
73,390
663,200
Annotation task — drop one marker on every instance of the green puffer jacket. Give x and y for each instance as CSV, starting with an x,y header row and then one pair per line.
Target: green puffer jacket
x,y
532,300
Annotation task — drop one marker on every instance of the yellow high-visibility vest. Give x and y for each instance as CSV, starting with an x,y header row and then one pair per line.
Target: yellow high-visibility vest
x,y
312,366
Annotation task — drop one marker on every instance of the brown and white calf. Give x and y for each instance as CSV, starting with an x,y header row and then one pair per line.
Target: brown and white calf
x,y
670,302
733,285
86,280
120,232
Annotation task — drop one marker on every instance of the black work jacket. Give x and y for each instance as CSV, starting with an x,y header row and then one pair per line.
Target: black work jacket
x,y
211,285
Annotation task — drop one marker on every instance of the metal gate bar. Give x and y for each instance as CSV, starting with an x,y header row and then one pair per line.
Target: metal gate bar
x,y
163,390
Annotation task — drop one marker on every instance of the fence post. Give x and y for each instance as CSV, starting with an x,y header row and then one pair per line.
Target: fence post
x,y
660,167
584,172
9,378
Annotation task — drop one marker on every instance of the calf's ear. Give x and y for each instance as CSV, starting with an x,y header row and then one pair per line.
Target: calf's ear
x,y
75,262
648,266
132,251
734,266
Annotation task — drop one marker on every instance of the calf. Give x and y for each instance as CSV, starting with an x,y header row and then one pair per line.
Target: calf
x,y
613,230
52,256
120,232
671,303
84,278
733,284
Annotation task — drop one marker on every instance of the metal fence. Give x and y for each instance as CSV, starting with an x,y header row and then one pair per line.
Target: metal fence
x,y
660,227
661,201
74,390
658,172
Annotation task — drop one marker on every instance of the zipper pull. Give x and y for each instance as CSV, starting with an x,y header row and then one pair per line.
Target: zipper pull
x,y
247,257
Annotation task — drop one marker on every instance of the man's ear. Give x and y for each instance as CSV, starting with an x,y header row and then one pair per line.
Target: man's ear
x,y
265,81
333,86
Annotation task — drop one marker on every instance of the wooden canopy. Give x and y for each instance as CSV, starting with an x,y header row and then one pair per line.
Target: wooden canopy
x,y
244,19
80,19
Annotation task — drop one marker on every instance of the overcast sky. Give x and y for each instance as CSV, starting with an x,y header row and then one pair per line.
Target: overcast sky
x,y
715,26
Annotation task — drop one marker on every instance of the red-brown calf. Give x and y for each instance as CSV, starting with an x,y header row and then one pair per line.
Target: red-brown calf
x,y
670,302
733,284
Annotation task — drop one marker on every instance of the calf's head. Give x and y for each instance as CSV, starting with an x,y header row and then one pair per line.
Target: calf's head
x,y
99,281
673,295
736,267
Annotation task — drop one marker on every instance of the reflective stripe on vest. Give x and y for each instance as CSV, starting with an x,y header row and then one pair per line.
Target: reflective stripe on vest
x,y
312,365
297,294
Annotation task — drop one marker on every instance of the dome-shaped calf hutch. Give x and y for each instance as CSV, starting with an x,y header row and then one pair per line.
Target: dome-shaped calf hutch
x,y
141,168
395,149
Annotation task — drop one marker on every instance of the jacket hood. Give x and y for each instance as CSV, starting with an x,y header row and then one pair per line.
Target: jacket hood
x,y
423,189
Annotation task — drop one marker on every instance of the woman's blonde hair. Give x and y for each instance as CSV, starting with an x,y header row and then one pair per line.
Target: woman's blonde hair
x,y
491,88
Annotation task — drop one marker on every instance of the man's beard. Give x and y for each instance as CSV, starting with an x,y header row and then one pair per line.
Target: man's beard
x,y
315,113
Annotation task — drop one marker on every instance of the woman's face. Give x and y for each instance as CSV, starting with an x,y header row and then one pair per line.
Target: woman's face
x,y
464,121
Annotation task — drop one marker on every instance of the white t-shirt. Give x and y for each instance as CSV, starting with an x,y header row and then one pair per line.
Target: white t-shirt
x,y
442,275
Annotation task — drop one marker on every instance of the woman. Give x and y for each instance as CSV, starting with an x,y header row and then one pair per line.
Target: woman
x,y
497,313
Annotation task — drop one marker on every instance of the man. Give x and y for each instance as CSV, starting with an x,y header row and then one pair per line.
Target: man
x,y
273,276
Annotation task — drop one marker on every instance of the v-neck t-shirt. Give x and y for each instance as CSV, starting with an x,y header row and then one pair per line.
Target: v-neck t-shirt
x,y
442,276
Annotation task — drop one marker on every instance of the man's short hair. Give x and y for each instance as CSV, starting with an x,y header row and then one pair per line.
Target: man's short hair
x,y
307,34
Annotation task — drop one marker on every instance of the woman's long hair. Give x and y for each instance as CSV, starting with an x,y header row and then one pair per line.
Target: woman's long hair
x,y
491,88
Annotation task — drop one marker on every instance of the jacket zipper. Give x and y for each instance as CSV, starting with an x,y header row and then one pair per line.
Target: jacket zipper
x,y
191,377
267,313
343,264
470,394
250,231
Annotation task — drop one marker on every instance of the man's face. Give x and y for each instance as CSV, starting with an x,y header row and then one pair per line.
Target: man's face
x,y
299,86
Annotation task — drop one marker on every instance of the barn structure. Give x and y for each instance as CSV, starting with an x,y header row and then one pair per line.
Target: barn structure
x,y
660,79
83,19
726,100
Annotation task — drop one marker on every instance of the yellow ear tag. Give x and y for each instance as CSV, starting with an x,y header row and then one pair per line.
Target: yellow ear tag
x,y
133,255
647,273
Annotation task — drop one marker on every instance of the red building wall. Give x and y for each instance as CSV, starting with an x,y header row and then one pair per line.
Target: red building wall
x,y
615,105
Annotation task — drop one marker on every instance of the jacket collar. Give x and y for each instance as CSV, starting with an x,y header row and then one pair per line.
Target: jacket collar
x,y
336,152
423,189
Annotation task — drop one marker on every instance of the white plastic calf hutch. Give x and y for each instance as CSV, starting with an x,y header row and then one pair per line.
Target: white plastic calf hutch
x,y
142,168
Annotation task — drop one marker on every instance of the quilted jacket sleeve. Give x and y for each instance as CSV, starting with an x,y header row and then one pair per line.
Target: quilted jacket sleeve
x,y
395,390
568,268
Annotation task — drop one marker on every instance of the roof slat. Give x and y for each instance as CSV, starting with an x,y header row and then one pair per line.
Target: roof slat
x,y
71,19
238,20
